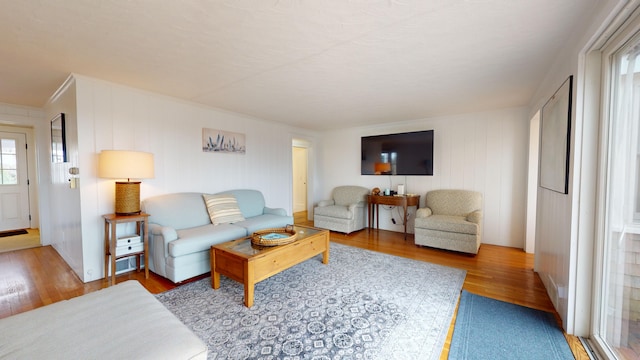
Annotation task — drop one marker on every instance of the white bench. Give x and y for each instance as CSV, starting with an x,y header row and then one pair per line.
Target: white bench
x,y
124,321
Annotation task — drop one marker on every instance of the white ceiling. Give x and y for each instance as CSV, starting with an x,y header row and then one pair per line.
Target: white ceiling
x,y
315,64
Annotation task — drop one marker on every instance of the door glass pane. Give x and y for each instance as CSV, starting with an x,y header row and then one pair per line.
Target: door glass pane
x,y
620,318
8,146
8,162
9,177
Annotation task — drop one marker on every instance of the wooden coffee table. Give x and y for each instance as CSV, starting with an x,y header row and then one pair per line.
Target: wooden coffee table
x,y
249,264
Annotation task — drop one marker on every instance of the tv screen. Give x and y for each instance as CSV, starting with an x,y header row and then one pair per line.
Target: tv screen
x,y
408,153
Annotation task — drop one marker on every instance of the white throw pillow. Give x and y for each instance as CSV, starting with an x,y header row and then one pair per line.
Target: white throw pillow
x,y
223,209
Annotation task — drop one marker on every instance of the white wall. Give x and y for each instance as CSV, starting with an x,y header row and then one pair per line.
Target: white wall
x,y
486,152
563,254
110,116
64,207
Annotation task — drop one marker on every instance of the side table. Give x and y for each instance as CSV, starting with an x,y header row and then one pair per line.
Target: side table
x,y
110,239
392,200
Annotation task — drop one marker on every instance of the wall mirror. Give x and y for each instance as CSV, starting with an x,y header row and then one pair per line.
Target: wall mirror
x,y
58,140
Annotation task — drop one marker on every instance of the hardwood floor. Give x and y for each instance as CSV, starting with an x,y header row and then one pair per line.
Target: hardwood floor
x,y
36,277
17,242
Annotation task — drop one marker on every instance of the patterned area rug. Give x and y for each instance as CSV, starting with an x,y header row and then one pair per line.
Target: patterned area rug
x,y
362,305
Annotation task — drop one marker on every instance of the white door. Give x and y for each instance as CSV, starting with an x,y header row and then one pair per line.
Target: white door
x,y
299,179
14,183
617,317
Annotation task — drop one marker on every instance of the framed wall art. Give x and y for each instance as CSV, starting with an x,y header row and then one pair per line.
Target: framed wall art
x,y
58,139
223,141
555,138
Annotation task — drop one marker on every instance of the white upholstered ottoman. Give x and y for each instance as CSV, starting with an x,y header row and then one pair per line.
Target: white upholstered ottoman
x,y
124,321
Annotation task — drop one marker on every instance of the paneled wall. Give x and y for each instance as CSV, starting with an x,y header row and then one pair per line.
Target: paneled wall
x,y
64,211
565,223
110,116
486,152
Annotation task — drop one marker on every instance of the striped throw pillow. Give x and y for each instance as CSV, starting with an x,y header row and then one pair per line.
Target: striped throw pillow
x,y
223,209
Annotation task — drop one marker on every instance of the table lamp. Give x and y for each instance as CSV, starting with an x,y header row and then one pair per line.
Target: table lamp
x,y
122,164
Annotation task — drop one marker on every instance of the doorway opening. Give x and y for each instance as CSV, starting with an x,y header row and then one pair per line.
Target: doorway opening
x,y
532,183
300,171
15,194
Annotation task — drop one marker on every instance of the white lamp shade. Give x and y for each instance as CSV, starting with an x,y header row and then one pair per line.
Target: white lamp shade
x,y
122,164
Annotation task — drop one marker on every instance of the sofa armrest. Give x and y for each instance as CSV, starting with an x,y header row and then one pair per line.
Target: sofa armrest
x,y
275,211
475,217
326,203
168,235
423,212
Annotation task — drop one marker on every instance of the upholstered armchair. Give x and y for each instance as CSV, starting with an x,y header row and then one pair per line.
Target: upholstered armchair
x,y
345,212
451,219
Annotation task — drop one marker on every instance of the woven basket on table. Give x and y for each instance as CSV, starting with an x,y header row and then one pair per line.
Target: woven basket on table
x,y
258,237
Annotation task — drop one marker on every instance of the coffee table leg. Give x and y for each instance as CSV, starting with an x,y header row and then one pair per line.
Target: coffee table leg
x,y
325,254
215,276
248,295
248,284
215,280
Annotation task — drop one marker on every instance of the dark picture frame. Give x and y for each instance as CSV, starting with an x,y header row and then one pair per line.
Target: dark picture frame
x,y
555,139
58,139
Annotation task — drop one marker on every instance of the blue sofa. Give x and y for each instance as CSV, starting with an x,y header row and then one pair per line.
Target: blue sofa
x,y
181,232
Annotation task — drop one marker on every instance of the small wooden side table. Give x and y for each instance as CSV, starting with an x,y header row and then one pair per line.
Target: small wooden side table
x,y
392,200
110,239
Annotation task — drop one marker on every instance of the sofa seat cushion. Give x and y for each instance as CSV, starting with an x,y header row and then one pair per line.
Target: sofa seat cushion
x,y
265,221
336,211
449,223
202,237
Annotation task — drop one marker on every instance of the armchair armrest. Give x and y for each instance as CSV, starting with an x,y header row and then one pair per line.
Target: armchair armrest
x,y
359,204
275,211
326,203
423,212
475,217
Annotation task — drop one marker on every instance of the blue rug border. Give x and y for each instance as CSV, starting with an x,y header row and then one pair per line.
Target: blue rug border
x,y
460,348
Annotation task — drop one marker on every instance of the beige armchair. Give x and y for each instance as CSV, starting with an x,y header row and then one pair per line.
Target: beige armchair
x,y
451,219
345,212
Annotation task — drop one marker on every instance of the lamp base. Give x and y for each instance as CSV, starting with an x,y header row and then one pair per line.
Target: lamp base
x,y
127,197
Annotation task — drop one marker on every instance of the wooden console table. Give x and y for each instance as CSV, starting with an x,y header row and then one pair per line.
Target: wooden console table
x,y
393,200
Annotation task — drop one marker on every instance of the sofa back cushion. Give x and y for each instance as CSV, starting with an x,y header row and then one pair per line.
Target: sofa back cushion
x,y
178,210
453,202
349,194
250,202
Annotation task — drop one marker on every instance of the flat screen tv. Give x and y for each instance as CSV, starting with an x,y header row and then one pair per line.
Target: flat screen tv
x,y
409,153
